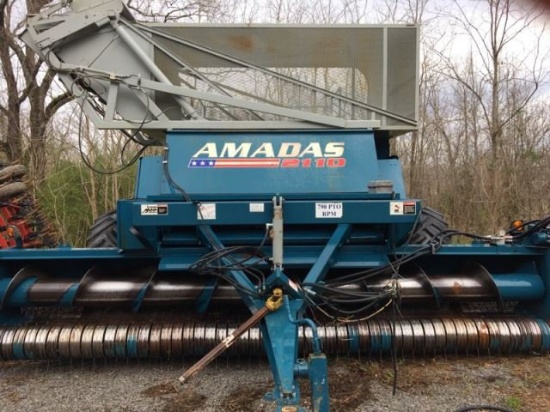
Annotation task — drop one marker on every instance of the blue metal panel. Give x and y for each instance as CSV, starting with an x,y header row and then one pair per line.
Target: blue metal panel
x,y
349,257
150,178
462,251
242,213
542,307
322,264
59,254
390,169
318,378
300,162
520,287
280,343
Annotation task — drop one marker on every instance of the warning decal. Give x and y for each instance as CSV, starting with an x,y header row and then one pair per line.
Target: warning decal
x,y
206,211
403,208
153,210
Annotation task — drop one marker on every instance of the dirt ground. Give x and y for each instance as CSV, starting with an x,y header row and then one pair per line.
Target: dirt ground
x,y
442,384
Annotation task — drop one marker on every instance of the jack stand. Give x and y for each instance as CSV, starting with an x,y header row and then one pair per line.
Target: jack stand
x,y
315,368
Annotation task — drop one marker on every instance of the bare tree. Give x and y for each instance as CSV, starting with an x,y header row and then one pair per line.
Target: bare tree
x,y
27,86
198,11
496,35
478,112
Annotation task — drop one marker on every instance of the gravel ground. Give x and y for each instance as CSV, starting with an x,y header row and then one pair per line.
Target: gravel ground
x,y
518,383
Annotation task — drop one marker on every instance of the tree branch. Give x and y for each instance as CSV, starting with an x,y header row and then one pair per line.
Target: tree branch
x,y
56,103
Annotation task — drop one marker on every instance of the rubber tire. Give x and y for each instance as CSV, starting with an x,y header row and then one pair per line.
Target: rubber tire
x,y
103,232
9,172
430,225
12,189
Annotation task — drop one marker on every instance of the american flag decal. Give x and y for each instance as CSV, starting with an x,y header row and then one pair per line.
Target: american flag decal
x,y
234,163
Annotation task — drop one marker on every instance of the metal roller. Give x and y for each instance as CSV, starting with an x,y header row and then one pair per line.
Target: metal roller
x,y
154,341
7,344
416,337
255,341
30,342
86,343
166,344
364,336
121,341
52,342
375,346
307,336
342,339
515,336
429,336
64,341
210,336
17,344
386,335
461,335
109,341
473,339
440,337
407,338
199,339
40,343
330,339
132,341
187,342
97,342
143,341
420,337
75,342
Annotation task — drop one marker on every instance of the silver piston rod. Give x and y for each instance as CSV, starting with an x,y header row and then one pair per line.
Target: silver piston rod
x,y
276,232
375,337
